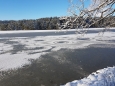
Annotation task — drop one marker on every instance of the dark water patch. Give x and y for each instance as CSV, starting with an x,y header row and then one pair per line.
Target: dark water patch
x,y
11,42
20,47
56,68
92,59
107,40
33,53
102,45
36,48
62,42
112,41
83,38
4,52
39,40
3,40
49,50
17,48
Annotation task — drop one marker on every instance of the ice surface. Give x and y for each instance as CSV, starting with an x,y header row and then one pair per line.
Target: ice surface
x,y
29,31
16,51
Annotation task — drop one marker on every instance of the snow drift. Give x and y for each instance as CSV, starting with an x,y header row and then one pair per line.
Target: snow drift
x,y
103,77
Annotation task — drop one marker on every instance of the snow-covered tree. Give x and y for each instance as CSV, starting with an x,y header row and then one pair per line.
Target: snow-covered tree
x,y
81,15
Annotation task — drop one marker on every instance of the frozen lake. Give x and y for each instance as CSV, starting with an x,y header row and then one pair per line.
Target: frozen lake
x,y
53,58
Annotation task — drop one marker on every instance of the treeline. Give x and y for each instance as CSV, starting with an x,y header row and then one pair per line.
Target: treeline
x,y
105,22
48,24
89,22
38,24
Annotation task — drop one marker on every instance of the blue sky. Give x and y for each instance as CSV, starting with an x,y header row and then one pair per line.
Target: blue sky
x,y
32,9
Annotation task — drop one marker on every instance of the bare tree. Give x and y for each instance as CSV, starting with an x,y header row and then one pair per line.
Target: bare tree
x,y
82,16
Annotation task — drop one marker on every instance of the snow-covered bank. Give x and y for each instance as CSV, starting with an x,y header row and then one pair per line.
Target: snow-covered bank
x,y
103,77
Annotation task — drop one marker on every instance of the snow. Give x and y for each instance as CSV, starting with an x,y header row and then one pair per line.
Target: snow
x,y
34,47
12,62
103,77
29,31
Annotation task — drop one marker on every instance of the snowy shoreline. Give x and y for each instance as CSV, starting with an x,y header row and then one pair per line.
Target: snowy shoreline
x,y
102,77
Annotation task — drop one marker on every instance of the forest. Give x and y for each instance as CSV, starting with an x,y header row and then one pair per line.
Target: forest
x,y
49,23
